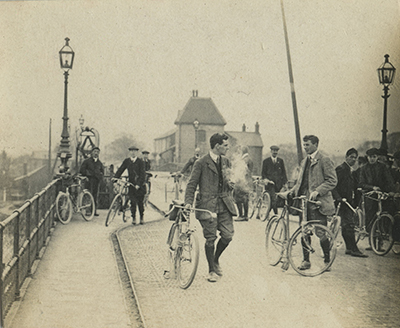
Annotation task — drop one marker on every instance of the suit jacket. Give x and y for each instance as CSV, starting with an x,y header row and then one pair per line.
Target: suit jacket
x,y
346,185
136,172
147,164
92,169
322,178
275,172
376,175
205,175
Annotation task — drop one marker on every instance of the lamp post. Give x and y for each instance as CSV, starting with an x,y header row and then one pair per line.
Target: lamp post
x,y
196,124
66,61
386,75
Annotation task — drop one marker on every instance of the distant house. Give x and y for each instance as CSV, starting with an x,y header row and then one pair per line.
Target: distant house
x,y
195,124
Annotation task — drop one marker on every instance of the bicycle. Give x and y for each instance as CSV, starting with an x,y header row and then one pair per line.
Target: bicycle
x,y
334,223
380,227
285,249
260,200
75,199
148,189
183,244
119,204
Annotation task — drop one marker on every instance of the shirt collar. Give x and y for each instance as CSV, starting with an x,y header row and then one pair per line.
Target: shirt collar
x,y
214,157
133,159
312,156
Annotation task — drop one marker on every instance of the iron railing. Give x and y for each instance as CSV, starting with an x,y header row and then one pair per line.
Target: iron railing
x,y
22,236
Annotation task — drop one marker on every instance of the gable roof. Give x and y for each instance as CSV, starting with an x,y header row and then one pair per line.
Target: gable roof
x,y
201,109
167,134
252,139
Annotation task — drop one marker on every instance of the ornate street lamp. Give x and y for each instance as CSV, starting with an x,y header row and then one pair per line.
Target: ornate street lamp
x,y
66,62
196,125
386,75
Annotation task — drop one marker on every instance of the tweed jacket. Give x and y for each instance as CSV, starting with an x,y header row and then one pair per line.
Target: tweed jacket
x,y
275,172
322,178
205,175
346,185
136,172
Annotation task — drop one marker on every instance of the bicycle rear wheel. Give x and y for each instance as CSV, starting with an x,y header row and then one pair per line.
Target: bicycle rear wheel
x,y
265,206
381,236
86,205
115,209
63,208
275,236
187,259
315,237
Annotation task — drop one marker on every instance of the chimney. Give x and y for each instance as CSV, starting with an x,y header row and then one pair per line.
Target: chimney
x,y
244,127
257,127
194,93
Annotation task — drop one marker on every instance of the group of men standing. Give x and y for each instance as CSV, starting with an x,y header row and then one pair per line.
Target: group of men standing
x,y
136,167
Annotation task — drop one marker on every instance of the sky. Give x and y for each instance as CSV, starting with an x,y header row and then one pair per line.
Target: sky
x,y
137,62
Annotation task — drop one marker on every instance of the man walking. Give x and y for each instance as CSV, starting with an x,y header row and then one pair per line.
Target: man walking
x,y
187,169
137,176
274,174
93,169
146,161
215,194
346,188
316,181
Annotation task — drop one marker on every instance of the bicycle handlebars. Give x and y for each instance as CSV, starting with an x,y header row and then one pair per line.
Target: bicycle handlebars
x,y
212,214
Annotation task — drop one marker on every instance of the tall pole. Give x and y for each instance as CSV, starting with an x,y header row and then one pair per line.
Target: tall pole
x,y
294,104
384,145
65,153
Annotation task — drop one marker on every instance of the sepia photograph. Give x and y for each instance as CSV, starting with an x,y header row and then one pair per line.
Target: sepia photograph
x,y
169,163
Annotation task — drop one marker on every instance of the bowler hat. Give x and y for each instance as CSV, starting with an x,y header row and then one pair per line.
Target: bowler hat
x,y
145,152
94,148
133,148
373,151
274,147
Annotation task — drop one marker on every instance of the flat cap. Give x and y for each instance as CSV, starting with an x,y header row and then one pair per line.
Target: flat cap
x,y
94,148
133,148
274,147
351,151
373,151
145,152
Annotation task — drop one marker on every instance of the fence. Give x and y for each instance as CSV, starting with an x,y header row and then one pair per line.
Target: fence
x,y
22,236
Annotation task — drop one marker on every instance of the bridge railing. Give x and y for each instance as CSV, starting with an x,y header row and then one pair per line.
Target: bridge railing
x,y
22,236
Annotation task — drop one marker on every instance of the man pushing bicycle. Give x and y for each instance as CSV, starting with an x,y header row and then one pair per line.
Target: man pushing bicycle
x,y
316,180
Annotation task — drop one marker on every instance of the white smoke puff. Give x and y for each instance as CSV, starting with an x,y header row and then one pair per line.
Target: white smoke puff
x,y
238,173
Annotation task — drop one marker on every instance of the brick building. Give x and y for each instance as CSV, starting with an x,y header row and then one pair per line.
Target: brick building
x,y
195,124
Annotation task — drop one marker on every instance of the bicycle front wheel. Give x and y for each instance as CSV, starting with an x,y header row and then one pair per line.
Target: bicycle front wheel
x,y
275,236
86,205
187,259
265,206
381,236
252,204
63,208
357,219
313,242
115,209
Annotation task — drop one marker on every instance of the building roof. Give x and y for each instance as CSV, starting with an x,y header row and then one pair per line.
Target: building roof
x,y
201,109
167,134
251,139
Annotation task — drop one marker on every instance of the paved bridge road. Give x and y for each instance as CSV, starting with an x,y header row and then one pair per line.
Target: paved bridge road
x,y
77,284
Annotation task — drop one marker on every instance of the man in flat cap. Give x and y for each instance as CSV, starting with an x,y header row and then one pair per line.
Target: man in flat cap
x,y
93,169
346,188
146,160
274,174
374,176
137,175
